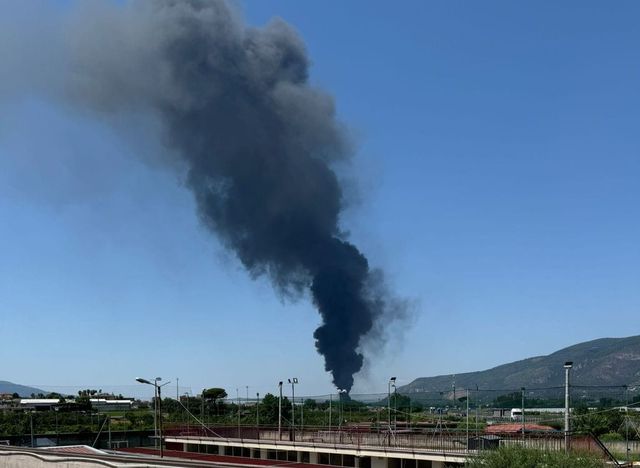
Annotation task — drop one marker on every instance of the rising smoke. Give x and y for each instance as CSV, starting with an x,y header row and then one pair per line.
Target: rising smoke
x,y
259,142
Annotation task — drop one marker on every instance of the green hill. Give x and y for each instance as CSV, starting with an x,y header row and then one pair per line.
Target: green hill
x,y
22,390
606,361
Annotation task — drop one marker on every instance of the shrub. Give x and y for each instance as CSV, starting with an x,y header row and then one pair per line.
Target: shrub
x,y
510,457
611,437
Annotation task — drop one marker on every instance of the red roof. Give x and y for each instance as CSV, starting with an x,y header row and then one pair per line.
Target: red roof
x,y
515,428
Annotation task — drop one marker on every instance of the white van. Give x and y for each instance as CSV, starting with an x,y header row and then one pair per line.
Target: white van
x,y
516,414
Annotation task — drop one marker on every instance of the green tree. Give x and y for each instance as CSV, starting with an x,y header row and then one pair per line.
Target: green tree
x,y
269,410
596,422
83,403
310,404
214,395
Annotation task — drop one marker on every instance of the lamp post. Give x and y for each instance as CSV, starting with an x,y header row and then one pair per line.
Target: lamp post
x,y
477,402
567,367
341,392
280,412
238,400
293,382
157,406
626,419
258,413
467,444
202,405
523,428
395,408
186,408
392,381
31,424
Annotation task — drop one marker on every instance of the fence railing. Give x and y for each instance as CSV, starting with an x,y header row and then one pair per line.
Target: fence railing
x,y
439,440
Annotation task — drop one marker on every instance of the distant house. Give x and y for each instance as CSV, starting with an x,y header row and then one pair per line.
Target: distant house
x,y
42,404
516,428
501,412
103,404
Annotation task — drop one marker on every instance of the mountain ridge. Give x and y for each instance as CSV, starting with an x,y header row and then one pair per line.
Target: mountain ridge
x,y
603,361
22,390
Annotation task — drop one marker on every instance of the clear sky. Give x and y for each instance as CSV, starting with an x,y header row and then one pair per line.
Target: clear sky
x,y
497,169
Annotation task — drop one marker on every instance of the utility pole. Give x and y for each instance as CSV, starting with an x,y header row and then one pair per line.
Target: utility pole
x,y
160,418
523,428
477,408
280,412
293,382
567,367
392,381
330,398
238,400
626,418
258,413
467,419
395,409
155,415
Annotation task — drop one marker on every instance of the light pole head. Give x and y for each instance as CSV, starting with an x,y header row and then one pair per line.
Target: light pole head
x,y
293,381
568,364
280,384
392,380
144,381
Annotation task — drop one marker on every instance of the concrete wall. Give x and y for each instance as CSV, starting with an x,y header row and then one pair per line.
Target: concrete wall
x,y
378,462
23,460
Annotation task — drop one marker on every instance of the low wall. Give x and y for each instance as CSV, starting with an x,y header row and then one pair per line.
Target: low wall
x,y
621,446
16,459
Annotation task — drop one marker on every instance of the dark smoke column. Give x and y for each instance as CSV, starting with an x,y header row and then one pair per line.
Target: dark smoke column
x,y
259,144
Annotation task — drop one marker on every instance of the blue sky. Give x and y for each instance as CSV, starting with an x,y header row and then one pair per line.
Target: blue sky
x,y
497,176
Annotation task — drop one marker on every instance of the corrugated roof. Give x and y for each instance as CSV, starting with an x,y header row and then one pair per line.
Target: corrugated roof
x,y
39,401
80,449
515,428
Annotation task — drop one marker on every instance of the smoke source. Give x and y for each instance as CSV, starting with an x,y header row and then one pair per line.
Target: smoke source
x,y
259,143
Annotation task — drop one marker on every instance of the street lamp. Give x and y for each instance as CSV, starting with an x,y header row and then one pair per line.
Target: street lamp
x,y
293,381
522,390
567,367
238,400
186,408
258,413
392,381
157,406
341,393
395,407
280,411
330,404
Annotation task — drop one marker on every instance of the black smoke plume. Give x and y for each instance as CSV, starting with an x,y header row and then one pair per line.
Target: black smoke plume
x,y
260,145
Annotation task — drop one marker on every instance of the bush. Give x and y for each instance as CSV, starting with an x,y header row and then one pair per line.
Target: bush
x,y
611,437
510,457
